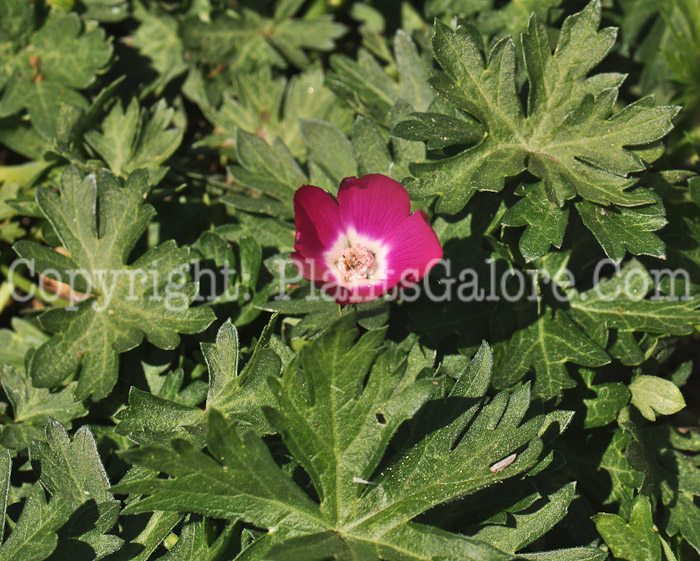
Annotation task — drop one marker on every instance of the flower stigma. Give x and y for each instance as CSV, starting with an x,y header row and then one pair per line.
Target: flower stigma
x,y
356,263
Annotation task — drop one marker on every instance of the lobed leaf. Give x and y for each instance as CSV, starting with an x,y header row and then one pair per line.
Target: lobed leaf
x,y
125,302
336,409
569,137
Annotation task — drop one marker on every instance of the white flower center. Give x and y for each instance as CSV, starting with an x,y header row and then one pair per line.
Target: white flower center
x,y
355,263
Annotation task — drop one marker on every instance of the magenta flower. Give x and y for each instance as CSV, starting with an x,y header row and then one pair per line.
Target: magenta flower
x,y
366,243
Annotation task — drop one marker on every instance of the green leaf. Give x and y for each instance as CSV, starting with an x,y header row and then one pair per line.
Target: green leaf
x,y
330,150
316,547
609,400
625,229
272,109
68,53
512,17
194,542
269,232
465,9
655,396
72,470
287,8
665,470
32,407
375,154
438,130
571,554
224,283
621,302
529,527
45,101
106,10
546,346
370,148
425,542
270,170
17,21
241,395
149,418
371,91
363,84
237,395
259,489
61,56
80,506
333,376
71,467
237,38
34,536
569,136
667,48
634,541
248,40
170,386
685,517
545,223
157,38
149,297
292,36
149,535
5,473
579,334
336,409
623,476
413,72
15,343
262,205
137,138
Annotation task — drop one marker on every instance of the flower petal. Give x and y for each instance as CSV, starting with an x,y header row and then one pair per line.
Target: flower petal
x,y
312,268
316,219
373,205
374,212
414,249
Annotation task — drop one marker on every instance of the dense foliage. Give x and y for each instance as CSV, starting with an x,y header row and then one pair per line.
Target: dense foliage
x,y
173,389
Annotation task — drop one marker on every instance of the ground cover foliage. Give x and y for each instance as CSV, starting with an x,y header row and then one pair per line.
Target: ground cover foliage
x,y
233,417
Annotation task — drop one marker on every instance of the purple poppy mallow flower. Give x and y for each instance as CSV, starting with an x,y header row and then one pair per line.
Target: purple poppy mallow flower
x,y
364,244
